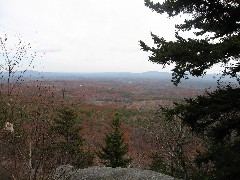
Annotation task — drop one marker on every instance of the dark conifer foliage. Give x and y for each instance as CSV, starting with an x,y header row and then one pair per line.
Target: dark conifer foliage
x,y
217,25
215,116
69,142
113,154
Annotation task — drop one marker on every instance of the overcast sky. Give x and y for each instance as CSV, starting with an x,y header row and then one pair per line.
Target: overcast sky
x,y
87,35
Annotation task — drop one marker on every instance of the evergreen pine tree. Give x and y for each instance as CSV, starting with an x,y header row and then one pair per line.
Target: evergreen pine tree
x,y
113,154
69,142
158,164
214,116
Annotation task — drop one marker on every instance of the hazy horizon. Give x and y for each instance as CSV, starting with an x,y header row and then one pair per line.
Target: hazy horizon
x,y
88,36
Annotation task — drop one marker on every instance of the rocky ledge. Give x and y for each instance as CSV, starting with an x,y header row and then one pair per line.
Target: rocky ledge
x,y
106,173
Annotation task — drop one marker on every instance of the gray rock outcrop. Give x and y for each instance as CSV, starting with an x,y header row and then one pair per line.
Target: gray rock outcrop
x,y
67,172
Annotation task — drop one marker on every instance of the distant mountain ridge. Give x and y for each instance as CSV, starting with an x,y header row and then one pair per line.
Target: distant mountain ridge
x,y
108,75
